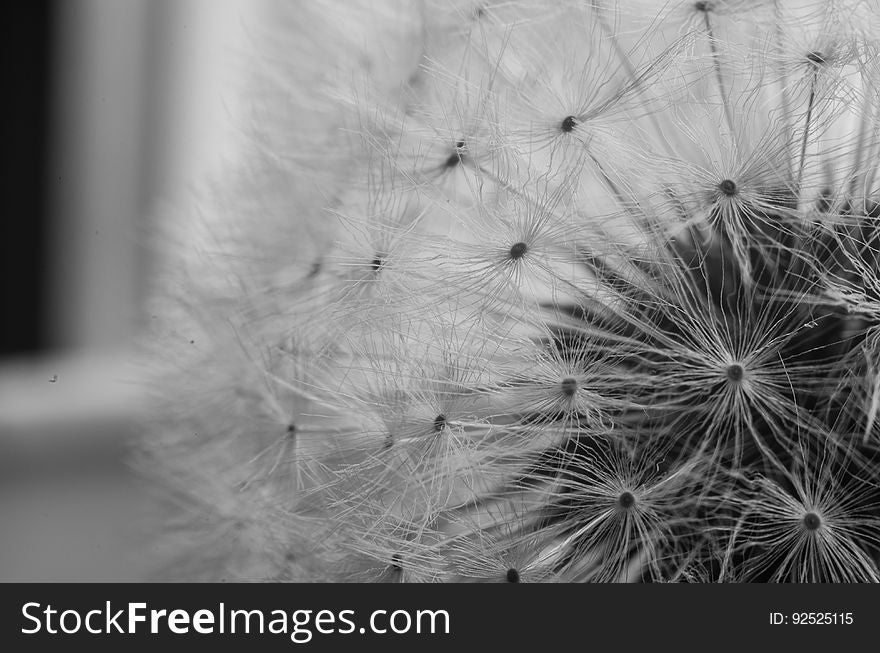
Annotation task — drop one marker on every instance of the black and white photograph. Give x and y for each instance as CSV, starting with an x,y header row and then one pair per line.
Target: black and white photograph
x,y
442,291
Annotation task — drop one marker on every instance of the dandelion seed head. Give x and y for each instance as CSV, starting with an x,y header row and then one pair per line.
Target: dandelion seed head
x,y
812,521
816,57
457,156
518,250
568,124
728,187
569,386
592,294
735,373
626,500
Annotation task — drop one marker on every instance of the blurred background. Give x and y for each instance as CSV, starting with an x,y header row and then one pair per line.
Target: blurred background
x,y
111,107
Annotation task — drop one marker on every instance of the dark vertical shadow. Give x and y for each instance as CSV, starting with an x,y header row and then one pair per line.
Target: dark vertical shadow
x,y
27,44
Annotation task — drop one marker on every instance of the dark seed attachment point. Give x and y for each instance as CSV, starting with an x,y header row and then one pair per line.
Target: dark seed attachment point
x,y
703,6
395,562
377,263
512,575
815,57
568,124
439,422
626,500
457,155
728,187
518,250
291,429
812,521
735,373
569,386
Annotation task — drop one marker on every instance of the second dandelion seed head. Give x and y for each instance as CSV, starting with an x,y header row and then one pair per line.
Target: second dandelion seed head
x,y
626,500
735,372
812,521
569,386
518,250
728,187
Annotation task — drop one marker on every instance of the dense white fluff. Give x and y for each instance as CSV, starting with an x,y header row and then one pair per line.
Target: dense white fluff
x,y
528,291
